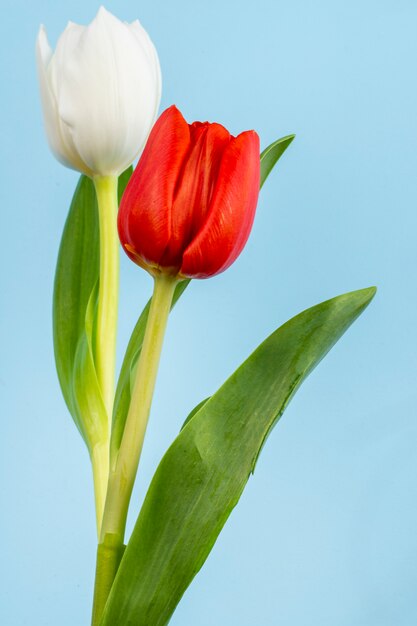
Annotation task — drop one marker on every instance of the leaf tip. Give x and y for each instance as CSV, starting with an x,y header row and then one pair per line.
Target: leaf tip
x,y
368,292
361,298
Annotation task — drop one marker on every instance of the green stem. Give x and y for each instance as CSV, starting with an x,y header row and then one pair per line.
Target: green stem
x,y
109,555
105,343
100,464
122,475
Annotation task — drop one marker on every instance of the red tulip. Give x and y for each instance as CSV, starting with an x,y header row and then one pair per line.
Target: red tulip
x,y
189,206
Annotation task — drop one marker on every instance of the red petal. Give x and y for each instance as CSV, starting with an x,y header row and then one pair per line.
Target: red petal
x,y
145,211
231,213
195,187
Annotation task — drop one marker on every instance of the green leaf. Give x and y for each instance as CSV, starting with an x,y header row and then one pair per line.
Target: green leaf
x,y
87,398
202,475
75,296
194,411
272,154
123,180
269,158
76,275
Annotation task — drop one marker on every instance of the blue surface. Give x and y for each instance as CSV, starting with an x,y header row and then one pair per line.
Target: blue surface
x,y
325,533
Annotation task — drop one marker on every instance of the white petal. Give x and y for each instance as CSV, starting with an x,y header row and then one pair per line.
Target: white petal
x,y
106,92
100,91
51,119
43,49
59,66
143,37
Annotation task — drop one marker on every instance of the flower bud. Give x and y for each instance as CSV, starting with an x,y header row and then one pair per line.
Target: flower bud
x,y
100,92
189,206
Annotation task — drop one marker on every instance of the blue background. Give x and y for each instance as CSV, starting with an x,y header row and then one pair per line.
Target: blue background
x,y
325,532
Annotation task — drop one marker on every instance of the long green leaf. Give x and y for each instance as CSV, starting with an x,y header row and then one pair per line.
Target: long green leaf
x,y
203,473
269,158
75,294
76,275
194,411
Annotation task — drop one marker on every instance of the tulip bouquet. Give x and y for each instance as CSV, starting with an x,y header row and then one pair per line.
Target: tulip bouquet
x,y
184,213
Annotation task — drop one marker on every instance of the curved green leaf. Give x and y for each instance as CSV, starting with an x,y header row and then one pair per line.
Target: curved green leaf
x,y
194,411
76,274
75,295
86,393
203,473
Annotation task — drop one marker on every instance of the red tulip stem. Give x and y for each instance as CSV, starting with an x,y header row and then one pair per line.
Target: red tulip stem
x,y
123,473
109,555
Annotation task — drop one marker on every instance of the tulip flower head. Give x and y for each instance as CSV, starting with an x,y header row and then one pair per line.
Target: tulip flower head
x,y
189,206
100,93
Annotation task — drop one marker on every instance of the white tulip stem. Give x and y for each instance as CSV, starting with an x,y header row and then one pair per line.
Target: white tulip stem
x,y
100,463
105,343
106,329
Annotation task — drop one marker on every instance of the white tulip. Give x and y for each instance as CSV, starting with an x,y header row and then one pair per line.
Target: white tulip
x,y
100,92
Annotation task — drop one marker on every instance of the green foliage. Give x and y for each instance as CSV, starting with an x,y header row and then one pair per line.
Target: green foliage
x,y
272,154
74,310
194,411
202,475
